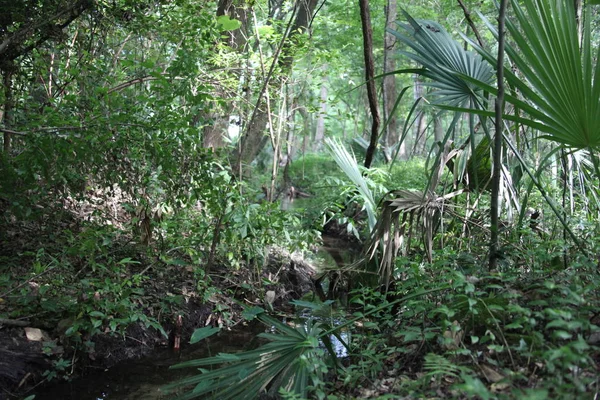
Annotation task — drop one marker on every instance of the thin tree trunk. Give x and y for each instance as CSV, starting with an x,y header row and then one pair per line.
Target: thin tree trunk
x,y
467,14
389,81
320,131
497,150
254,139
421,121
438,131
367,30
289,143
5,113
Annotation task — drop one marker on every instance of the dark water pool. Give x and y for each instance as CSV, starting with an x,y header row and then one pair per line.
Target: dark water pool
x,y
142,379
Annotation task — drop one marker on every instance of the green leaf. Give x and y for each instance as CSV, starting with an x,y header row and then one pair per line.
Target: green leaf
x,y
265,31
128,260
97,314
562,334
226,357
250,313
203,333
228,24
474,386
514,325
444,60
557,323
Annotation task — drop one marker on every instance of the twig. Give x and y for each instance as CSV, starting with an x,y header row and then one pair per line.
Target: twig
x,y
27,281
470,22
10,131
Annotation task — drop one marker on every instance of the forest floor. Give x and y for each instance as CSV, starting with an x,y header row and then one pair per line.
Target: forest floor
x,y
118,313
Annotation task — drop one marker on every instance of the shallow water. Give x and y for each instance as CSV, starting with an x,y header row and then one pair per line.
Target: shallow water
x,y
142,379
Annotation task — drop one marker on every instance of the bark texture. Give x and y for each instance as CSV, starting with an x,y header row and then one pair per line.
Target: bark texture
x,y
365,17
389,81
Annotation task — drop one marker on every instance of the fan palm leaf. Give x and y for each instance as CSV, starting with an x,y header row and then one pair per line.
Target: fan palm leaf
x,y
390,230
286,361
348,164
445,62
559,78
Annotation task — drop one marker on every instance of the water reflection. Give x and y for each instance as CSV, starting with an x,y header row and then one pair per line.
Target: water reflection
x,y
143,379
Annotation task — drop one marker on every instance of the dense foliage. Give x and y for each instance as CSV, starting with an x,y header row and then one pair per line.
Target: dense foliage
x,y
182,161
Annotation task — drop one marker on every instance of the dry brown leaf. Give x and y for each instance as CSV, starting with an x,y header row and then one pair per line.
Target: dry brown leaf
x,y
491,374
499,387
35,335
456,334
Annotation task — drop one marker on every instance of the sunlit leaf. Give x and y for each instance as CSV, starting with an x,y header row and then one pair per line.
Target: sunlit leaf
x,y
227,23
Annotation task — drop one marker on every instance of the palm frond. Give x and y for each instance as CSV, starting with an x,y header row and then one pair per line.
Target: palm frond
x,y
348,164
444,62
559,79
390,231
286,361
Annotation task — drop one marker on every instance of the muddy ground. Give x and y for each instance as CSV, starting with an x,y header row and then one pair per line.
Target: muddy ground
x,y
34,349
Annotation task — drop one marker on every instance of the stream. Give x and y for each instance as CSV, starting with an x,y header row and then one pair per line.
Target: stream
x,y
143,378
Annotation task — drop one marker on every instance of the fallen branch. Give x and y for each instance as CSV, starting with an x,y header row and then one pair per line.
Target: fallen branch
x,y
14,322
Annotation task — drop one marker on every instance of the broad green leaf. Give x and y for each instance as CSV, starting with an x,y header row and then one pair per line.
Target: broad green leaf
x,y
228,24
203,333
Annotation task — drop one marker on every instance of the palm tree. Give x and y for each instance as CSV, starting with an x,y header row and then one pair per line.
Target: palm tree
x,y
556,88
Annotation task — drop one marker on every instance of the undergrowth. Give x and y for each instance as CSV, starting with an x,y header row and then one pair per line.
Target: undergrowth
x,y
452,329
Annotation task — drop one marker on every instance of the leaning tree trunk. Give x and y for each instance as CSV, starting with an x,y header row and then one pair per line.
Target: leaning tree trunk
x,y
389,81
254,139
367,30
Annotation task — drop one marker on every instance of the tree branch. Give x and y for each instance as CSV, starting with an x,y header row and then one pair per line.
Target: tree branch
x,y
10,48
470,22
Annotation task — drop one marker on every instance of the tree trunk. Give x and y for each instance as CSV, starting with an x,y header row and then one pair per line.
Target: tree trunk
x,y
254,139
212,134
367,30
219,117
6,111
497,149
421,120
320,131
389,81
438,129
